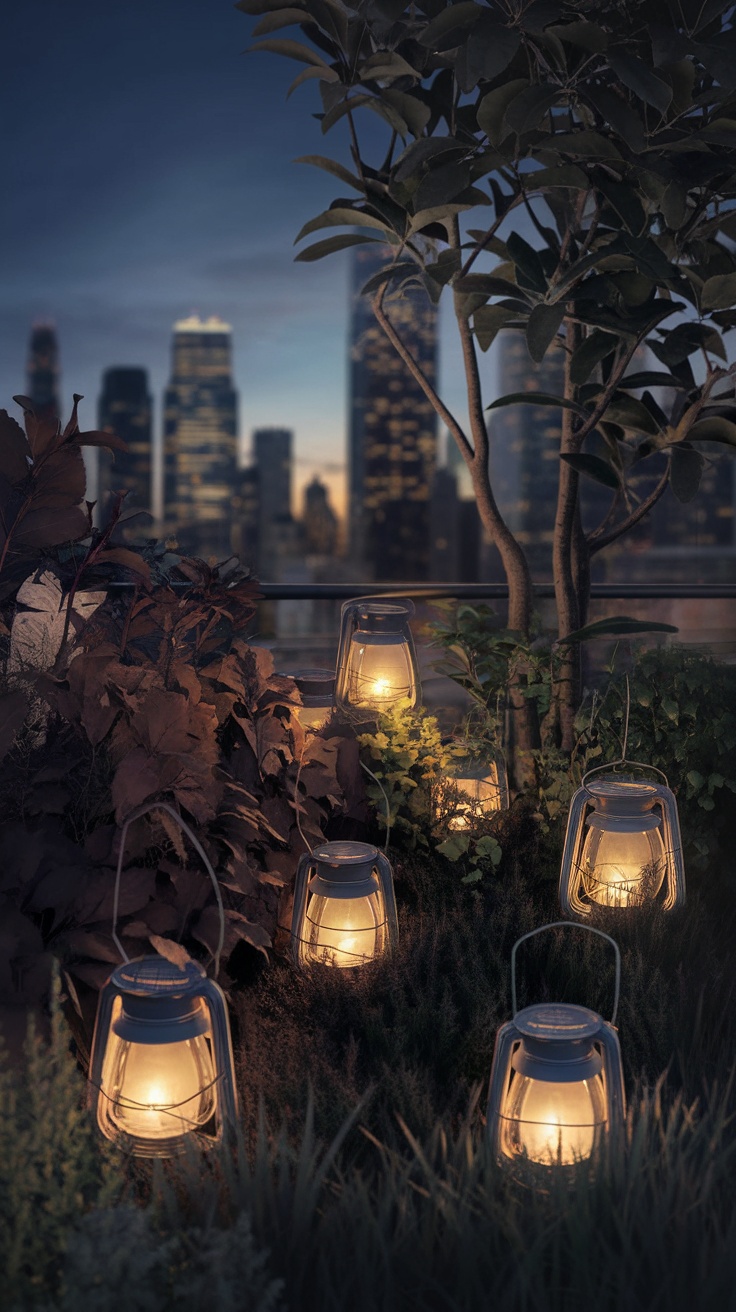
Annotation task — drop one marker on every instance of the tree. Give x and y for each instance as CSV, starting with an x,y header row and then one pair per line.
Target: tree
x,y
607,132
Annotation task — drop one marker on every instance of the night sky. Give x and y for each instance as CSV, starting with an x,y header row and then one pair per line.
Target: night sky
x,y
147,173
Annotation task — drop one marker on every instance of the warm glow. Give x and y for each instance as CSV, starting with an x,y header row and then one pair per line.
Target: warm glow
x,y
158,1090
312,717
550,1123
343,931
622,869
379,672
484,797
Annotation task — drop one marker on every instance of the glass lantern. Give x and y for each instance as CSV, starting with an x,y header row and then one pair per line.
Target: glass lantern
x,y
376,661
161,1069
556,1092
622,848
317,691
475,788
344,906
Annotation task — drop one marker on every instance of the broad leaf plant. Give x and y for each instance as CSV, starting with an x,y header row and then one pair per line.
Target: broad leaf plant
x,y
565,170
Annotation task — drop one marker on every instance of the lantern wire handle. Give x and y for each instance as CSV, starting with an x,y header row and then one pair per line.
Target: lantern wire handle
x,y
567,924
611,765
136,815
385,798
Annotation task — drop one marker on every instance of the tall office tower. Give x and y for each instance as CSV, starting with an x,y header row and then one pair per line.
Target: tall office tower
x,y
246,511
200,437
125,408
272,452
393,431
525,454
319,520
43,367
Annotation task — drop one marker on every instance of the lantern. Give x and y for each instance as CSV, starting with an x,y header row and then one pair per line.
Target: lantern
x,y
475,789
317,690
161,1070
623,846
376,662
344,906
556,1093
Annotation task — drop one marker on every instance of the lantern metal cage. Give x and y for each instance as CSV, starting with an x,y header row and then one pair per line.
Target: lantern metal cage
x,y
376,660
622,847
317,691
344,907
161,1070
162,1073
475,787
556,1098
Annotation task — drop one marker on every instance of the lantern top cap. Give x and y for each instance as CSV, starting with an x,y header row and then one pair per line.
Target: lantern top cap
x,y
623,796
383,617
157,977
314,683
557,1022
345,854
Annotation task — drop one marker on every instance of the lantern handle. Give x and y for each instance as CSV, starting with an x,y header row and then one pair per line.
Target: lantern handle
x,y
612,765
136,815
568,924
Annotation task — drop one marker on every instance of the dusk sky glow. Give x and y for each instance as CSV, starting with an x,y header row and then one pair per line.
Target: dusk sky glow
x,y
148,173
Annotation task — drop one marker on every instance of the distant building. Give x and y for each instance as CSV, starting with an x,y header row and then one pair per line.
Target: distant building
x,y
42,383
125,408
525,455
200,438
246,514
393,432
277,530
319,521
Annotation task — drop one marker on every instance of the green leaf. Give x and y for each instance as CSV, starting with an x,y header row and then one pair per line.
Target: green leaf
x,y
617,624
538,398
588,36
559,175
719,293
714,430
527,260
446,30
437,214
332,166
596,347
492,109
291,50
486,52
281,18
340,217
594,467
629,412
455,847
421,151
442,185
412,110
324,74
527,110
330,244
686,471
619,115
586,144
684,340
488,320
641,80
386,64
541,329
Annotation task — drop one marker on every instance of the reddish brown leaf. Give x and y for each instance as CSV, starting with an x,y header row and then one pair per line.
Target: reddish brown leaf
x,y
108,440
129,559
50,527
14,450
173,952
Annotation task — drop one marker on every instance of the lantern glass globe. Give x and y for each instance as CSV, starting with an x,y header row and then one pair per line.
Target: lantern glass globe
x,y
380,671
622,869
344,932
157,1090
552,1123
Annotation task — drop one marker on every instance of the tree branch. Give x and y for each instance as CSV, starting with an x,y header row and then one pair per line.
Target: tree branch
x,y
599,539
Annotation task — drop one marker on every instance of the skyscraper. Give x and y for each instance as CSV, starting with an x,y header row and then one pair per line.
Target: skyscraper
x,y
272,452
43,368
319,519
393,431
200,437
125,408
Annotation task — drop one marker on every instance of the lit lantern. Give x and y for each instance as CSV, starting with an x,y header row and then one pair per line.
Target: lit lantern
x,y
376,662
317,691
161,1070
623,847
475,789
556,1093
344,906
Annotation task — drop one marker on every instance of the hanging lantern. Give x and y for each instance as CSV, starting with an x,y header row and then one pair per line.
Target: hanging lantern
x,y
161,1070
556,1093
623,846
376,662
317,691
344,906
475,788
